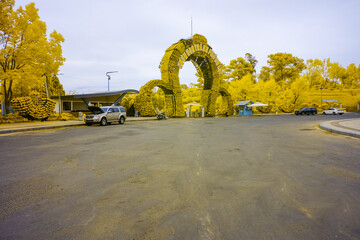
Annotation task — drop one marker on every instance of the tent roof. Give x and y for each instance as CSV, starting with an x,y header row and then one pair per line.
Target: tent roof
x,y
194,104
258,104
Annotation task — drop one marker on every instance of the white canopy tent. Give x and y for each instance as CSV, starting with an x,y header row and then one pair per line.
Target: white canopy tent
x,y
258,104
194,104
189,112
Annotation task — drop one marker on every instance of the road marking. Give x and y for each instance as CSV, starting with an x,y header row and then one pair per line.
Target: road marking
x,y
199,171
206,232
306,212
269,156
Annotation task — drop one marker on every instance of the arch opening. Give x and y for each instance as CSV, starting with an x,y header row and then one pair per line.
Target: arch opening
x,y
188,75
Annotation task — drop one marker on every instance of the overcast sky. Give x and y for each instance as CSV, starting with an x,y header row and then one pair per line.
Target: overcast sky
x,y
131,36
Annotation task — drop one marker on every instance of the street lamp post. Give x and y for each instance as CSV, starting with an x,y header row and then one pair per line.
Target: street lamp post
x,y
321,88
107,74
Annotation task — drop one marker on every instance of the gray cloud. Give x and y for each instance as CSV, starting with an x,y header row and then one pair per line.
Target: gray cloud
x,y
132,36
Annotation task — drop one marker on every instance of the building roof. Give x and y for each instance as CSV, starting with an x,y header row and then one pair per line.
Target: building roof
x,y
100,96
104,94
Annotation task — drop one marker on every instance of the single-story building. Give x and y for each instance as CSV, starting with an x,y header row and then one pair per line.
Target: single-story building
x,y
80,102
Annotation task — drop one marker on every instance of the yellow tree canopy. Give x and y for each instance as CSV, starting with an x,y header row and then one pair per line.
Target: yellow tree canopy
x,y
26,51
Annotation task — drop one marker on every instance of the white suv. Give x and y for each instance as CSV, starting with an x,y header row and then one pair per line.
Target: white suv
x,y
105,115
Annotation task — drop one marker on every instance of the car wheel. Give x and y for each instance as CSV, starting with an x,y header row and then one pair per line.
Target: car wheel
x,y
334,113
103,122
89,124
340,114
122,120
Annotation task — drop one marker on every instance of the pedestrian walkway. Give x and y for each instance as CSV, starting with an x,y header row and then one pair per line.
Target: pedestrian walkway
x,y
349,127
38,125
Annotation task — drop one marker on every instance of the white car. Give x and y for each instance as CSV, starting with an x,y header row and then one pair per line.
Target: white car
x,y
334,111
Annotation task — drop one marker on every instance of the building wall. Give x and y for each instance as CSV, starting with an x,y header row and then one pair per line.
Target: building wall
x,y
75,106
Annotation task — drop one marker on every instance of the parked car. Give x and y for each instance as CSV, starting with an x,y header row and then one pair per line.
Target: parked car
x,y
105,115
334,111
307,111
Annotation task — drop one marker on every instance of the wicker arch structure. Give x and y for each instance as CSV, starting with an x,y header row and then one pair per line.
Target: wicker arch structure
x,y
230,104
145,105
206,63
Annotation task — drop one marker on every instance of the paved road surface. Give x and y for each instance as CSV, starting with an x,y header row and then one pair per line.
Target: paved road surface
x,y
274,177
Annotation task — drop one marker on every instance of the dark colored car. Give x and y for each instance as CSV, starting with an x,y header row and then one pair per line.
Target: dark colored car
x,y
307,111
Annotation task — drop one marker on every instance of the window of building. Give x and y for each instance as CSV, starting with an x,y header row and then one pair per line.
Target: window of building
x,y
67,106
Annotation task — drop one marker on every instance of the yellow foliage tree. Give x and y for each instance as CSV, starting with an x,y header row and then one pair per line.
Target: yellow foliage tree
x,y
266,92
242,89
283,67
191,94
240,67
293,97
26,53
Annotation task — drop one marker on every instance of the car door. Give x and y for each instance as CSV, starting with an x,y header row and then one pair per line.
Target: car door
x,y
122,111
111,114
116,114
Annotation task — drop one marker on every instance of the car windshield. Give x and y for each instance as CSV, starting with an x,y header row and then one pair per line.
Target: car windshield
x,y
104,109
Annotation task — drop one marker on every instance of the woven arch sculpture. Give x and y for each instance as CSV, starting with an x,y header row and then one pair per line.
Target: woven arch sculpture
x,y
206,63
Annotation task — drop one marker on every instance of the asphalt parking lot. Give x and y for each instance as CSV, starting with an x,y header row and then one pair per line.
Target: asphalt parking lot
x,y
265,177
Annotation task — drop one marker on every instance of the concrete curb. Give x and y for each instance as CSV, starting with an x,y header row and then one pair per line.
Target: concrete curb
x,y
140,119
27,129
333,126
64,125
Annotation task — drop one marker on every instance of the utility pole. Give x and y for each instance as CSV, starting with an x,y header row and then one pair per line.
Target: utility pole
x,y
2,96
46,86
60,103
107,74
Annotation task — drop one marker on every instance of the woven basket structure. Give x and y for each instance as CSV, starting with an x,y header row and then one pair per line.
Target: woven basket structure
x,y
25,107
